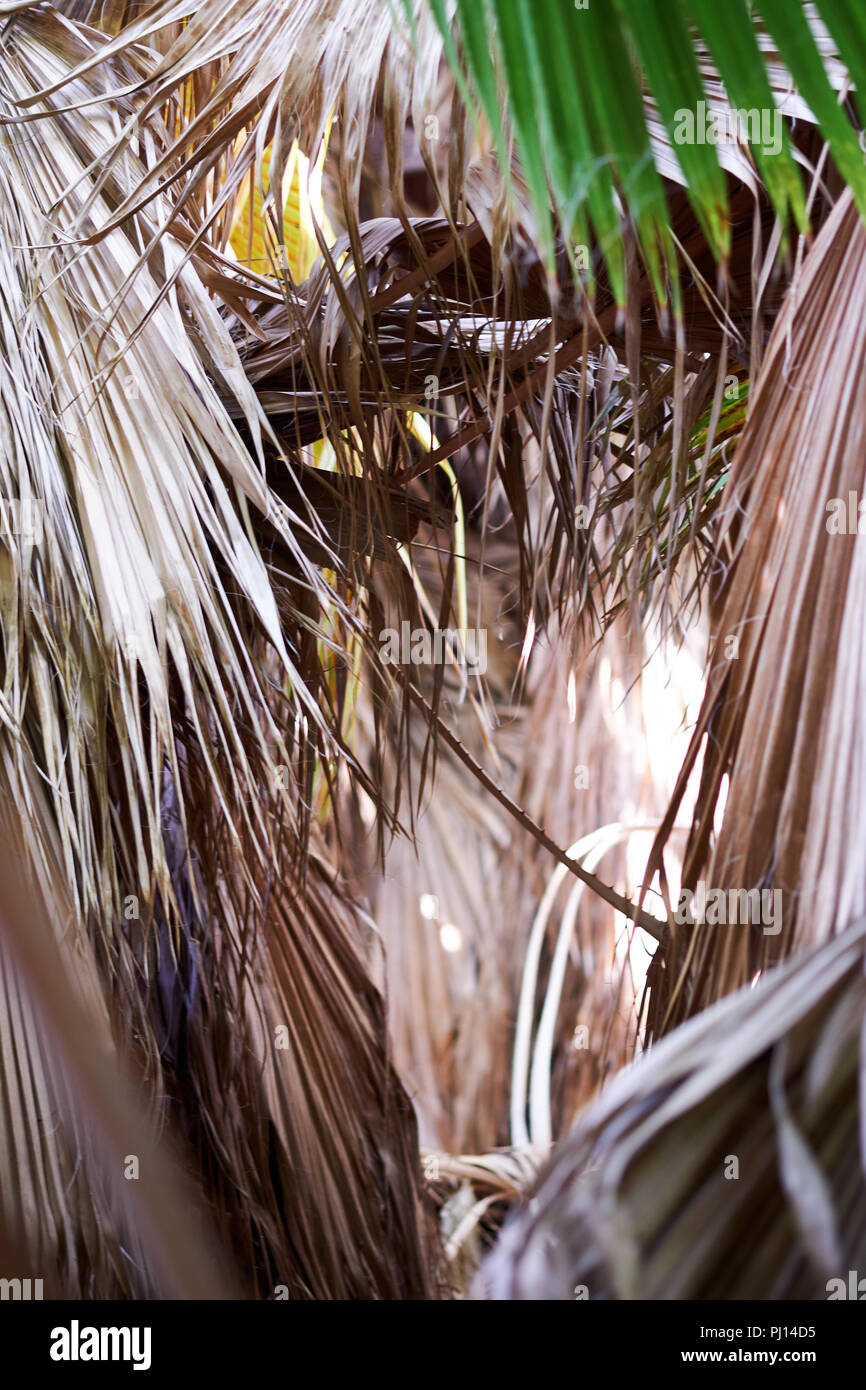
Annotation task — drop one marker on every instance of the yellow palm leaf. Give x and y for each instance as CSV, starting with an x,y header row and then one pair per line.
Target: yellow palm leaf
x,y
252,237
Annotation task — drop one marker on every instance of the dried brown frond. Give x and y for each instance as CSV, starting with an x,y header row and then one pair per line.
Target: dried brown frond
x,y
780,713
724,1164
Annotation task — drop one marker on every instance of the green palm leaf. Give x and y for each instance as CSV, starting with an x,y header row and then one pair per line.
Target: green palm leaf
x,y
579,83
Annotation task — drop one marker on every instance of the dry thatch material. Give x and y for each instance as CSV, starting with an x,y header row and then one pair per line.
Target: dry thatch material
x,y
230,474
473,1193
163,702
726,1163
778,728
91,1199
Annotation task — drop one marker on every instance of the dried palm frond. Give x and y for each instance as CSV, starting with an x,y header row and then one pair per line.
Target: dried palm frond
x,y
416,302
91,1201
183,638
782,694
454,907
436,898
726,1163
580,771
473,1194
163,705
